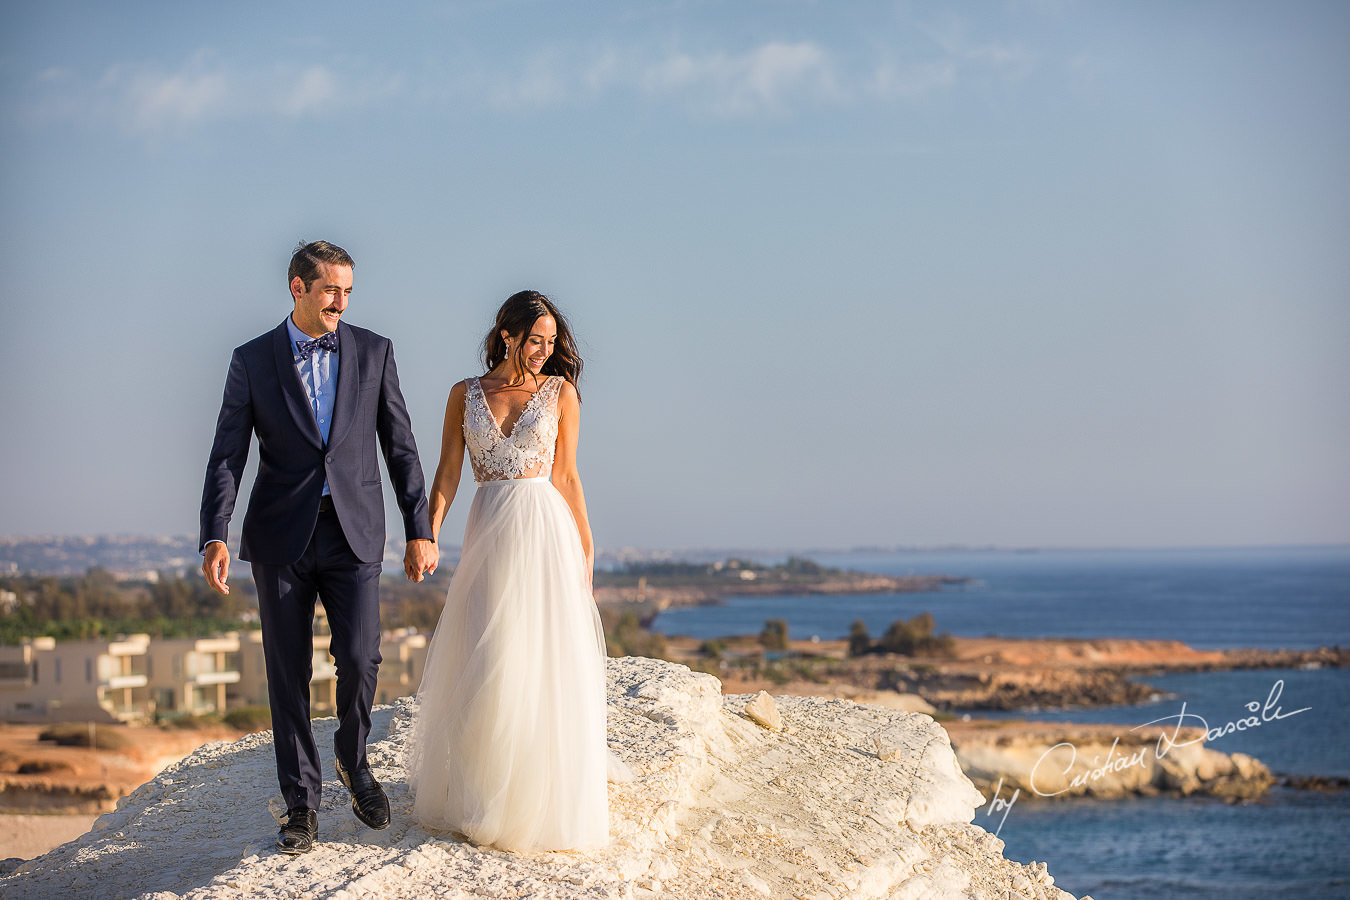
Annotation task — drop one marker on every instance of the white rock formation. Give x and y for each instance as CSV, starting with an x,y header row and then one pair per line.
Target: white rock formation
x,y
763,711
845,801
1105,761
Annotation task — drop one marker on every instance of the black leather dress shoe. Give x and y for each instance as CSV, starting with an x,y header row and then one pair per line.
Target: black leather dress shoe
x,y
368,799
299,831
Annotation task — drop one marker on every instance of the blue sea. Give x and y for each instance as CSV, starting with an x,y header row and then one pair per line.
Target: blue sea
x,y
1289,844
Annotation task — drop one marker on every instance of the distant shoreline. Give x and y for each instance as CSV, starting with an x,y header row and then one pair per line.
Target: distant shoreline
x,y
984,673
648,601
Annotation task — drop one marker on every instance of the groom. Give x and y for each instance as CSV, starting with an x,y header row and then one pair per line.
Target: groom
x,y
318,393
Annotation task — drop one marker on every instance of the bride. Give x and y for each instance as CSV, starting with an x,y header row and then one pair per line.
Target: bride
x,y
508,746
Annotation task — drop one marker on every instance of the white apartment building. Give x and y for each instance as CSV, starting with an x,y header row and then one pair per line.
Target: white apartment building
x,y
405,658
251,688
81,681
191,676
137,678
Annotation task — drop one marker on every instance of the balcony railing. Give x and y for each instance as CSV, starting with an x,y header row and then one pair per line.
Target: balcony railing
x,y
216,678
124,681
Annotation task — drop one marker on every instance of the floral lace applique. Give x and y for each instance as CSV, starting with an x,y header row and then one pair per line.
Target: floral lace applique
x,y
528,451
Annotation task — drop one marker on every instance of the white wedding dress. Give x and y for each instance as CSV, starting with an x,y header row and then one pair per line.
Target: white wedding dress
x,y
508,746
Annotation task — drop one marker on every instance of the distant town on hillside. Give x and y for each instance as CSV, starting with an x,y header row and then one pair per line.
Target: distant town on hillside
x,y
126,557
149,557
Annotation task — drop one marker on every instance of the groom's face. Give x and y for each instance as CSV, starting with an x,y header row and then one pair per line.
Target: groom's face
x,y
319,307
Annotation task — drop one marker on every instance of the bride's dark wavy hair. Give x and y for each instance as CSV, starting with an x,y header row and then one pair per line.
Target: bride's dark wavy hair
x,y
516,317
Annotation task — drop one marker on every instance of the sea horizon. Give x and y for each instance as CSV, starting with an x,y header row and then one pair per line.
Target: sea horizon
x,y
175,550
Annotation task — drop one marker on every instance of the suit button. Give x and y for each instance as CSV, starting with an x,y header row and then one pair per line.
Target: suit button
x,y
330,459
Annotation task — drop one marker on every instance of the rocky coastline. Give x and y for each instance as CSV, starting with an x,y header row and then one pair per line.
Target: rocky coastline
x,y
1042,760
1112,678
734,796
996,674
646,601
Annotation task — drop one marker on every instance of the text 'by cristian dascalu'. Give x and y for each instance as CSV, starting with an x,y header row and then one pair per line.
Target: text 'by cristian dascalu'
x,y
1259,714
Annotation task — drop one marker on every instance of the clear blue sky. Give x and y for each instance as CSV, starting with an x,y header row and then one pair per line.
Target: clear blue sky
x,y
1022,273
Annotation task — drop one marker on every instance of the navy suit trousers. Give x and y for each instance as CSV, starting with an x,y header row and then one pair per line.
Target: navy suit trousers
x,y
349,589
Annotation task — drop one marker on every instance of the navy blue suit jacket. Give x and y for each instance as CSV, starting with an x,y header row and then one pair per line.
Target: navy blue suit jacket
x,y
263,395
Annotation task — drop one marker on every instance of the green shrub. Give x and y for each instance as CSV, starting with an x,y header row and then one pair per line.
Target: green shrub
x,y
627,637
707,666
775,635
899,638
249,718
188,723
806,671
859,641
916,638
713,648
42,766
86,734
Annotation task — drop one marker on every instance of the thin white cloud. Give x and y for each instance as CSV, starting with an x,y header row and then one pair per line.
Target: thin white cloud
x,y
771,78
774,78
153,101
606,70
55,75
150,101
544,81
1010,59
313,91
958,59
893,81
1086,73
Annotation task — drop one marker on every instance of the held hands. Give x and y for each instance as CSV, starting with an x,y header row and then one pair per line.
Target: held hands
x,y
420,559
216,566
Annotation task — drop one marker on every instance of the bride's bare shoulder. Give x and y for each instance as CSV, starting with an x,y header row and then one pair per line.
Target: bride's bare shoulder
x,y
458,391
568,397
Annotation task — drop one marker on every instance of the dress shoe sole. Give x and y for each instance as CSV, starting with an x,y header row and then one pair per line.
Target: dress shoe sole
x,y
356,811
293,851
367,822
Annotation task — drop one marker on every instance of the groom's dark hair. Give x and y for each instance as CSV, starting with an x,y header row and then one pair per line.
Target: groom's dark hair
x,y
308,258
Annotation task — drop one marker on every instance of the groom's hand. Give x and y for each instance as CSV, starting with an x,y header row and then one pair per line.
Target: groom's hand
x,y
216,566
421,557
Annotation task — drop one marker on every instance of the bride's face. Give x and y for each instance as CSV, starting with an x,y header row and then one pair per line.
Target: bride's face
x,y
538,343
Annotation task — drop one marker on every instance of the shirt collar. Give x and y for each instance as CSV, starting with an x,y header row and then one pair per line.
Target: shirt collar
x,y
297,336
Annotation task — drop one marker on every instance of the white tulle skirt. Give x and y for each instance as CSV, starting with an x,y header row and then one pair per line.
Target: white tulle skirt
x,y
508,746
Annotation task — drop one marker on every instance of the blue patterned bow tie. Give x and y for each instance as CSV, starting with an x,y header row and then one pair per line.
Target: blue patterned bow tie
x,y
327,342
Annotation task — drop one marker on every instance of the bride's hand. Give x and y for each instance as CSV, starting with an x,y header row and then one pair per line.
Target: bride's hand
x,y
420,558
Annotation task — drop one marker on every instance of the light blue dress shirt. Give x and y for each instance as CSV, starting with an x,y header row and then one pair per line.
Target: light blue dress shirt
x,y
318,373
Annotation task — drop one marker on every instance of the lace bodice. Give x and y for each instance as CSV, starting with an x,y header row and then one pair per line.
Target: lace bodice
x,y
528,451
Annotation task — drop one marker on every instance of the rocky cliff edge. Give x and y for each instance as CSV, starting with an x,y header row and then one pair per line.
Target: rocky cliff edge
x,y
838,800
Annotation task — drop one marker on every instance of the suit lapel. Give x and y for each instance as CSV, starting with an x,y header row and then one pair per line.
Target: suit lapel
x,y
291,388
348,385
